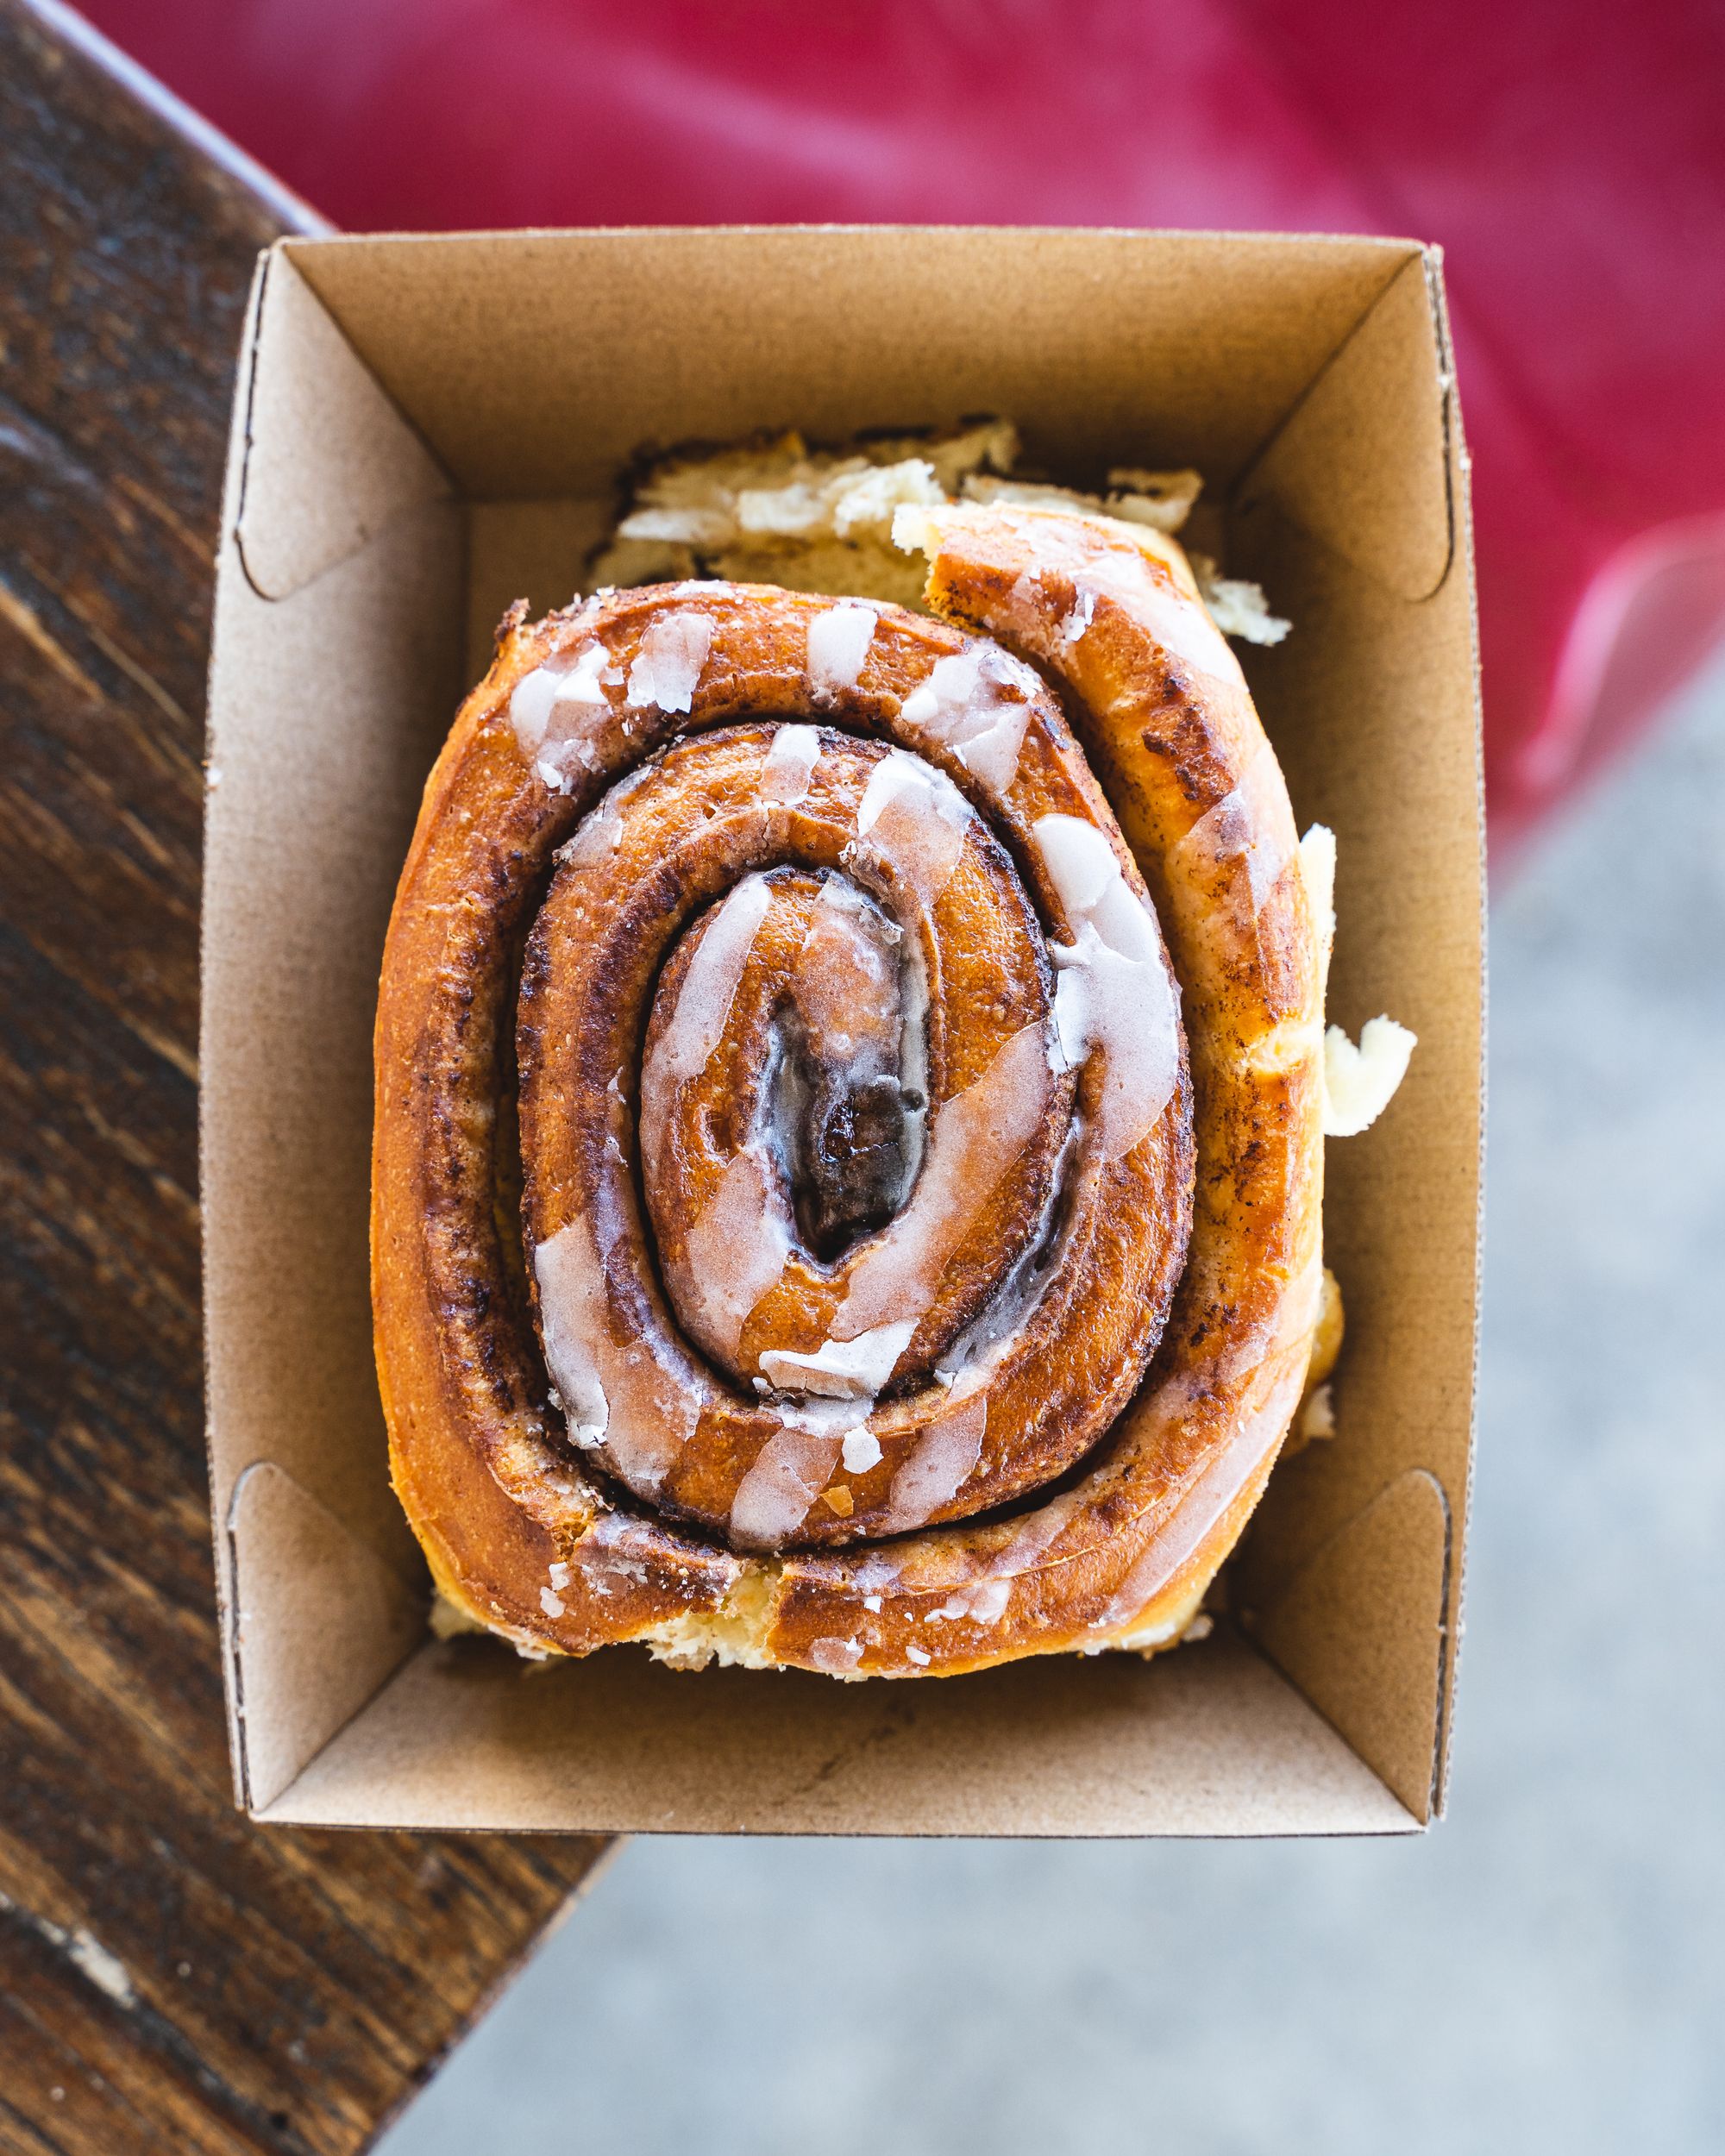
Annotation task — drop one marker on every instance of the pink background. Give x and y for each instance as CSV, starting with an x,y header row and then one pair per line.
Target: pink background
x,y
1570,158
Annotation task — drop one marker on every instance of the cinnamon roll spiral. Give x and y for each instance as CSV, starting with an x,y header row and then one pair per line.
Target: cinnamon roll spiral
x,y
805,1231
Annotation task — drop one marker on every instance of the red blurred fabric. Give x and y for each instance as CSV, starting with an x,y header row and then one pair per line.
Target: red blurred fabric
x,y
1567,153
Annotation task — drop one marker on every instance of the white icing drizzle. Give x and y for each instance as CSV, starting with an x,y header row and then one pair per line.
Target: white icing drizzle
x,y
1114,990
1038,1534
789,1472
1203,1506
789,769
1084,612
837,1657
534,694
641,1411
599,836
839,641
614,1548
821,1417
1254,823
847,973
938,1467
667,665
738,1245
840,897
566,1301
1178,623
551,1602
737,1249
582,684
984,1603
977,702
973,1139
854,1368
914,819
697,1021
967,1363
860,1451
553,711
1359,1081
877,1568
917,1656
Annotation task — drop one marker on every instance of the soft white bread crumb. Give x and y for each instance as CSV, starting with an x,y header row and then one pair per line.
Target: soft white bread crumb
x,y
1359,1082
1318,869
1161,500
734,1635
678,527
1318,1416
910,529
773,511
1236,606
1140,1638
1164,499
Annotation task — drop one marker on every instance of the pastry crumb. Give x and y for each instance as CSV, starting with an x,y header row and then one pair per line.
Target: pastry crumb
x,y
1318,1417
1360,1080
1237,606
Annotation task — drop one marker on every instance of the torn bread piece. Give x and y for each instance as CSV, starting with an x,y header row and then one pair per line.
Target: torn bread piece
x,y
772,509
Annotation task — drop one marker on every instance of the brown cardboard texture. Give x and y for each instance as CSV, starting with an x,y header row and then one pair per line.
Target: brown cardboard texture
x,y
426,429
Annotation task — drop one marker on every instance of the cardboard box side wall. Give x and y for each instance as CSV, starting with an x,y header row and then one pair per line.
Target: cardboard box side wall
x,y
1386,569
331,684
357,554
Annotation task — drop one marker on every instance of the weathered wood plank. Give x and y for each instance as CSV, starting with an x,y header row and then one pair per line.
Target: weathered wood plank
x,y
170,1976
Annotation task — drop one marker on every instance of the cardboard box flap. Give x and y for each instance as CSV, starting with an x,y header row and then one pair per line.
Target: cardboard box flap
x,y
1360,1630
1364,452
1210,1741
326,709
580,347
328,460
323,1622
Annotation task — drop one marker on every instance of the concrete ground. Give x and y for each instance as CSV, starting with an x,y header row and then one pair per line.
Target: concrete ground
x,y
1547,1970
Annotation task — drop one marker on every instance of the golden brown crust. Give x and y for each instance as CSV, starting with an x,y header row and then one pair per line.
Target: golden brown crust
x,y
518,1529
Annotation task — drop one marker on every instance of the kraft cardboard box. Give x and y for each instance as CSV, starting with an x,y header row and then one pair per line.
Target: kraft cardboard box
x,y
428,427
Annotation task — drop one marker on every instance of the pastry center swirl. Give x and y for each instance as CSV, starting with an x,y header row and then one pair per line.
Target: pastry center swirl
x,y
815,1189
834,1195
825,1031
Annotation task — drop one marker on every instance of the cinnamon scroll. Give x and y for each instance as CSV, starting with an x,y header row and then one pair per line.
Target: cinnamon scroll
x,y
850,1087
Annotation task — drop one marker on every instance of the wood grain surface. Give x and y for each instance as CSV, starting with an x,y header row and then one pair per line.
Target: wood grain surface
x,y
171,1977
